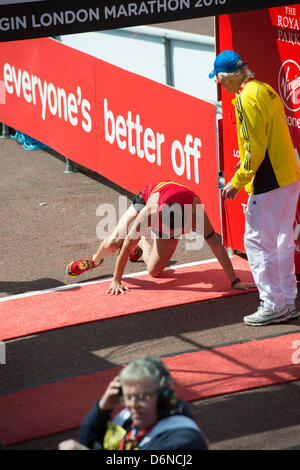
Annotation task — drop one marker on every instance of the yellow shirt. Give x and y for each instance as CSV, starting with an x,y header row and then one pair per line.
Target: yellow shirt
x,y
267,153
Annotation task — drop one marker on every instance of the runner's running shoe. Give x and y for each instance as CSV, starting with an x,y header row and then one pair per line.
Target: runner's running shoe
x,y
75,268
135,253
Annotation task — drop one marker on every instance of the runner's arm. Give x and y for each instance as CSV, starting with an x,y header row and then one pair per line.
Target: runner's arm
x,y
139,227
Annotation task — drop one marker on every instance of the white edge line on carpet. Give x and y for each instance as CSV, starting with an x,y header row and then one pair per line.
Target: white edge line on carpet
x,y
72,286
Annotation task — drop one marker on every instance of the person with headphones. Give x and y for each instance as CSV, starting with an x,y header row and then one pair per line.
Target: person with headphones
x,y
152,419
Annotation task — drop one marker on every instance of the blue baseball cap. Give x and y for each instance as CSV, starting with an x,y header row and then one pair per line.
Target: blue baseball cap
x,y
226,62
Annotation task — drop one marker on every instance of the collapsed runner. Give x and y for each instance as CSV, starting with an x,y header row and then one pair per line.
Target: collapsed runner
x,y
150,228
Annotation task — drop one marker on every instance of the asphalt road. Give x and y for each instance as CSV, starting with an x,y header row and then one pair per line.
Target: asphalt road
x,y
48,219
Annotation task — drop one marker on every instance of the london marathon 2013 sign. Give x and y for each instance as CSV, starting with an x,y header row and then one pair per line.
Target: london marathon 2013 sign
x,y
41,18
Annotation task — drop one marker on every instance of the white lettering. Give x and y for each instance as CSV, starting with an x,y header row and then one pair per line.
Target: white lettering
x,y
149,144
121,460
70,17
130,134
82,15
185,152
43,95
34,81
55,98
121,131
46,19
87,121
177,147
65,17
244,207
58,17
52,100
293,121
26,87
145,8
72,109
17,80
62,103
109,119
130,126
8,79
192,151
138,129
160,138
13,23
287,22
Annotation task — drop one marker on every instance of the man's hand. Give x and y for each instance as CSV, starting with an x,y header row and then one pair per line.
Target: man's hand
x,y
116,288
229,192
70,444
111,396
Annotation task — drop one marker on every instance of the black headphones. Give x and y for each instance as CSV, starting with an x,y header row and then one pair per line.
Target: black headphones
x,y
166,401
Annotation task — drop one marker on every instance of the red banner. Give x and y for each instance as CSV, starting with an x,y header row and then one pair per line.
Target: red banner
x,y
128,128
269,40
35,19
49,94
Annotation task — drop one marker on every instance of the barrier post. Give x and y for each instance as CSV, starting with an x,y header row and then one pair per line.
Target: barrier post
x,y
2,352
4,131
168,61
70,167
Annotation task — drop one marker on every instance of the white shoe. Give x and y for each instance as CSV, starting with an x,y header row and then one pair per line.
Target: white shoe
x,y
292,311
264,316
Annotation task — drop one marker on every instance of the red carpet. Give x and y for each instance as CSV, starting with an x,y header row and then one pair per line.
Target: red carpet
x,y
23,316
60,406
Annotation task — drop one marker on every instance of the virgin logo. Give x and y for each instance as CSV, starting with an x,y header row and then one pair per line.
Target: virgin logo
x,y
289,84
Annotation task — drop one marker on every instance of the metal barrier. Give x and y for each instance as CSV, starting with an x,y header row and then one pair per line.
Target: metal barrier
x,y
4,131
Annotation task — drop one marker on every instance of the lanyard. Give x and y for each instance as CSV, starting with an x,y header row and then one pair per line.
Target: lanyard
x,y
133,436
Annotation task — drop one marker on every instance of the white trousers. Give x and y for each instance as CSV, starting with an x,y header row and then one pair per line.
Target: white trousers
x,y
269,244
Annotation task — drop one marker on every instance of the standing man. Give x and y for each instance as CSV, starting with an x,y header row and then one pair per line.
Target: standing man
x,y
270,174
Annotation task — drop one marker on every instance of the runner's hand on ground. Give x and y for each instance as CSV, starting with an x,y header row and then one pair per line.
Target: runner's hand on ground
x,y
116,288
244,285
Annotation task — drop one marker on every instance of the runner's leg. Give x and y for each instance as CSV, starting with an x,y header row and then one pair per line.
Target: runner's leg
x,y
158,255
115,240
